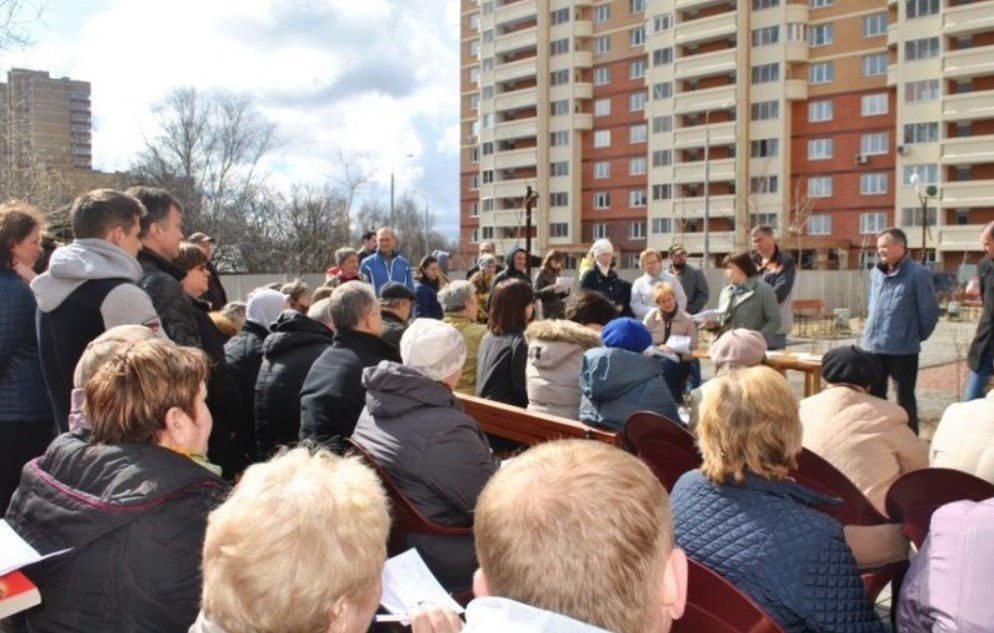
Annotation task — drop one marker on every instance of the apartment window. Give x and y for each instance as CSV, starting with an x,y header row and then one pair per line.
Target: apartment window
x,y
487,148
819,186
599,230
821,73
559,199
912,216
559,138
474,209
474,49
487,92
817,4
918,91
487,120
602,138
474,102
796,32
874,184
636,36
636,101
875,24
876,143
873,105
662,225
559,77
929,174
488,204
474,155
820,148
821,34
875,64
488,7
872,223
602,107
560,107
560,16
921,132
474,21
820,111
636,69
636,6
637,166
559,168
662,124
765,110
474,236
636,230
559,47
662,157
636,198
662,192
602,13
602,169
819,224
662,22
662,56
487,232
761,218
474,75
602,75
764,147
920,8
766,35
487,64
488,36
765,4
602,44
765,73
602,199
662,90
559,229
924,48
488,176
637,133
474,182
764,184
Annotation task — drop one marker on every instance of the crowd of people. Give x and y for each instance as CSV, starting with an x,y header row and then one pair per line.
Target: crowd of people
x,y
194,452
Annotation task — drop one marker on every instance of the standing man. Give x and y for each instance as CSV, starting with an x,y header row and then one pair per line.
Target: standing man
x,y
651,261
516,268
215,296
386,264
778,270
486,248
981,355
903,313
694,283
368,245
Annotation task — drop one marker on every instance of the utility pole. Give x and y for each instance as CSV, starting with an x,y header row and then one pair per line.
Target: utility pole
x,y
530,196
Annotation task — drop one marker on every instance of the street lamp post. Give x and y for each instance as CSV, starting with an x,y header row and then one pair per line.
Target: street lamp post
x,y
924,194
392,190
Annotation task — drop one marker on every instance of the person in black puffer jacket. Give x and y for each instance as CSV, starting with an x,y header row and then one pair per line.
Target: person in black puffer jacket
x,y
287,355
503,354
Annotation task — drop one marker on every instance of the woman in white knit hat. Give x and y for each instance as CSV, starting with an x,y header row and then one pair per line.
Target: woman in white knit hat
x,y
415,428
605,280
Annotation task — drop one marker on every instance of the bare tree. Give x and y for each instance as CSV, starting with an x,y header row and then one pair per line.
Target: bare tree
x,y
801,206
15,16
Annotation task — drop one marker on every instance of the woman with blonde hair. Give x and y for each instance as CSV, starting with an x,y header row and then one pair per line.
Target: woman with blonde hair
x,y
667,323
743,517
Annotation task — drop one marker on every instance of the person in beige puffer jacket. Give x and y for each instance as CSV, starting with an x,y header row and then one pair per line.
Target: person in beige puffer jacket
x,y
555,352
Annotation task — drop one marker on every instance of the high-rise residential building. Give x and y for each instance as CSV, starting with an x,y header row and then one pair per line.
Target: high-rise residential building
x,y
655,122
46,120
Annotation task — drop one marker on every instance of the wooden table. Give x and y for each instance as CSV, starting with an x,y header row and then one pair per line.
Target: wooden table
x,y
808,364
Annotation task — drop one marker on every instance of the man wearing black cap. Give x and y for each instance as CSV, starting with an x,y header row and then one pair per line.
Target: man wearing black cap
x,y
396,300
693,281
215,295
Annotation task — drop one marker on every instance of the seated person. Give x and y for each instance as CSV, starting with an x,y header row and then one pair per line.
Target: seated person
x,y
617,517
964,439
867,439
618,379
741,516
503,352
415,428
946,587
460,308
555,353
132,499
667,320
733,349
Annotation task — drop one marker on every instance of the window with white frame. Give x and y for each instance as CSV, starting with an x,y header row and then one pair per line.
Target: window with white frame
x,y
821,72
820,148
637,166
873,184
636,230
868,260
487,6
662,56
662,157
636,101
602,107
819,186
875,24
599,230
764,218
487,120
875,143
559,107
821,34
636,69
559,168
817,4
662,225
474,182
636,6
928,174
765,110
636,198
487,35
487,148
474,102
474,75
602,169
927,132
819,224
602,199
873,105
487,232
637,133
875,64
764,184
924,48
919,91
662,90
920,8
487,92
797,32
559,77
602,75
474,154
662,192
559,47
559,199
765,73
764,147
559,138
488,176
602,13
872,222
765,4
766,35
602,138
662,124
602,44
662,22
820,110
559,229
474,48
912,216
474,21
636,37
474,236
559,16
488,204
474,209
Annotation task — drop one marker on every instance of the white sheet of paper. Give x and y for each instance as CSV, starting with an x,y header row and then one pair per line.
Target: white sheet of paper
x,y
15,552
407,582
705,315
679,344
565,282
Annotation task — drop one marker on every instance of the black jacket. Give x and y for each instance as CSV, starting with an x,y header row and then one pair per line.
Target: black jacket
x,y
287,355
160,279
333,395
135,515
553,303
244,355
393,328
500,368
984,337
215,296
616,289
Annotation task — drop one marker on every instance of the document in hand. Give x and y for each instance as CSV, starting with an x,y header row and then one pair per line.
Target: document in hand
x,y
408,584
16,553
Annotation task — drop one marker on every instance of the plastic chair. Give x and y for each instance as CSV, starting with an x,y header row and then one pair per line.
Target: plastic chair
x,y
913,498
715,605
667,447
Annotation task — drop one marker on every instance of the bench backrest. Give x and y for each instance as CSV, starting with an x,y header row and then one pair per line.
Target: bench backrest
x,y
529,427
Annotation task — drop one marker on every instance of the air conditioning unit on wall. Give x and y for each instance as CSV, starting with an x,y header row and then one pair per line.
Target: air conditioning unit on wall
x,y
862,159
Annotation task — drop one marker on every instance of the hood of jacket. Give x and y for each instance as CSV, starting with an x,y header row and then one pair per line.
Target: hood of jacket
x,y
502,615
611,371
393,390
293,330
81,261
150,260
553,341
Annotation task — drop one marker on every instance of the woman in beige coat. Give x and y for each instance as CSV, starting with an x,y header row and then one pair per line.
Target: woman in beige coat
x,y
555,353
667,323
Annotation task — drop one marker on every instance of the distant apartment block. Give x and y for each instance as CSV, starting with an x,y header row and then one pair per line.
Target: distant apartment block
x,y
45,119
637,119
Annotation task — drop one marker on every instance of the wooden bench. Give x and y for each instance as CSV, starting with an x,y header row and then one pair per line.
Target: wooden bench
x,y
529,427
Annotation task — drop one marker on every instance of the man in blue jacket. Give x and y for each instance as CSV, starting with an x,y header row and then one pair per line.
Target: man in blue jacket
x,y
386,264
903,313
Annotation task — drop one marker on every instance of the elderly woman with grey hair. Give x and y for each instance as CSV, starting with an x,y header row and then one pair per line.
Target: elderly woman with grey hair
x,y
461,308
483,283
346,268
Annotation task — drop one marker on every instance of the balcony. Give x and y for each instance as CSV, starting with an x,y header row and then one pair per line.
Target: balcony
x,y
968,150
583,90
720,170
719,242
719,98
515,70
796,89
583,121
717,26
892,35
893,75
969,106
693,208
515,12
706,64
971,193
963,237
583,59
516,100
796,52
512,188
515,158
968,18
796,13
684,5
583,28
969,62
519,40
510,130
689,137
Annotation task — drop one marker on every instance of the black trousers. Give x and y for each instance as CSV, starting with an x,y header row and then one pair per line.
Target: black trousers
x,y
20,442
903,370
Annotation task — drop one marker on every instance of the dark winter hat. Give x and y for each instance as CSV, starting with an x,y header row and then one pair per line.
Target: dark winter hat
x,y
626,333
851,365
393,290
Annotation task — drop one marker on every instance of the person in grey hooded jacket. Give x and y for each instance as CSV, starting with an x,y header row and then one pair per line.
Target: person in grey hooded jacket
x,y
555,354
416,429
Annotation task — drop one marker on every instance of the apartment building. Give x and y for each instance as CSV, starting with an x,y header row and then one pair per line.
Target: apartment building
x,y
655,122
45,119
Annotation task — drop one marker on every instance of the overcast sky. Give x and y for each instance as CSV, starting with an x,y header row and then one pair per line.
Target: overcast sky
x,y
375,79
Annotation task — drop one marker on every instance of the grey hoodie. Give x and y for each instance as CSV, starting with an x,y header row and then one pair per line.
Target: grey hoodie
x,y
88,259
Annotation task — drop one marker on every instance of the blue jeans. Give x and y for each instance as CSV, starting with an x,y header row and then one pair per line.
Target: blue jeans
x,y
675,376
977,380
695,374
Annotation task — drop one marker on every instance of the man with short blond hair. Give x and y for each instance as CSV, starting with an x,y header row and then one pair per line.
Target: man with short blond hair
x,y
576,536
